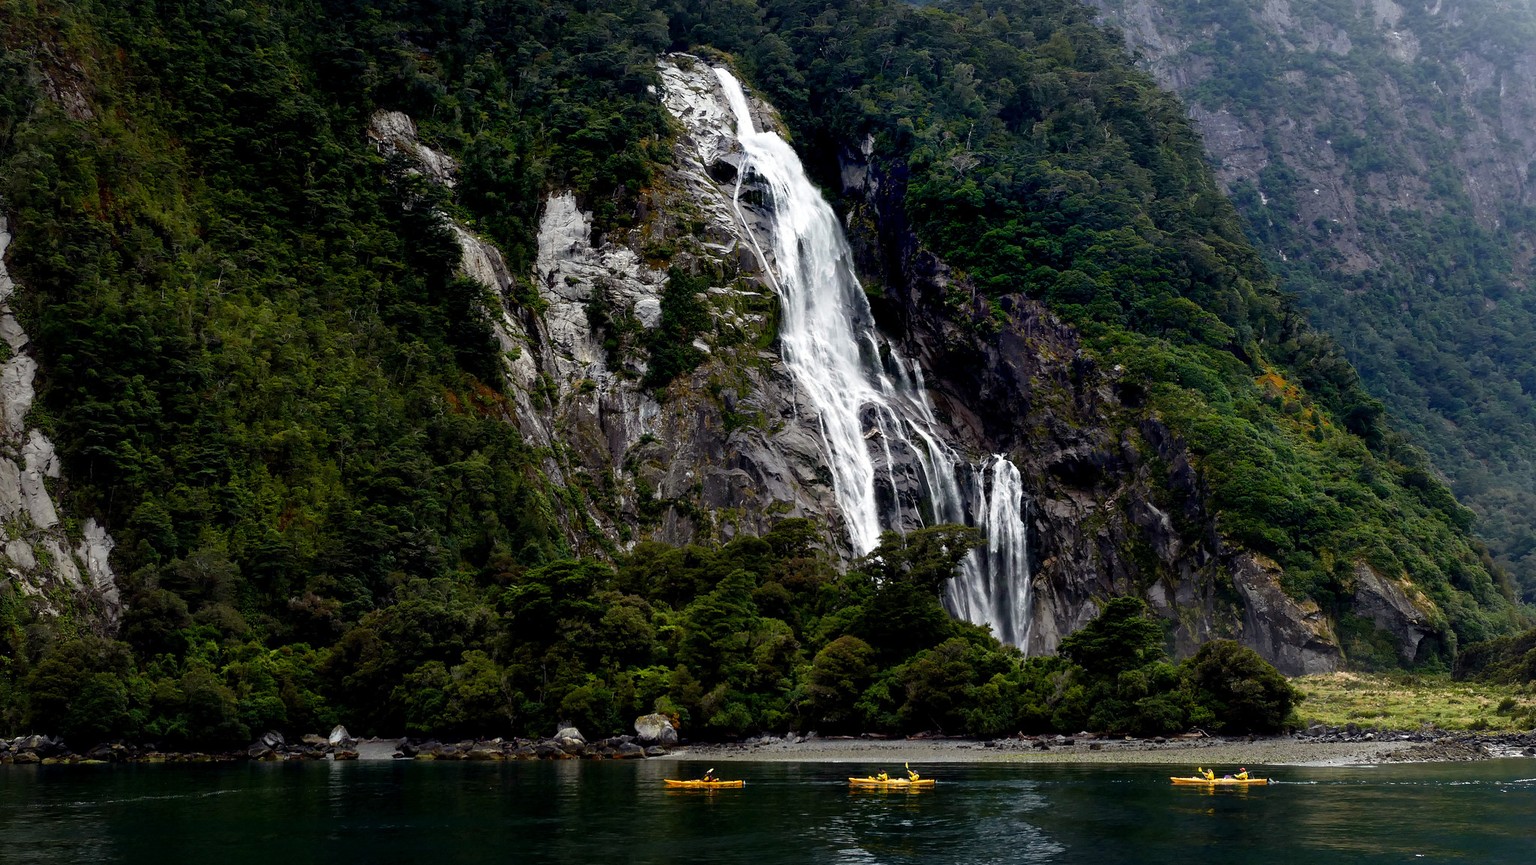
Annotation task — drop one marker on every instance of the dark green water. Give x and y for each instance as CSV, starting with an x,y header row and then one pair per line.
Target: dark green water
x,y
441,813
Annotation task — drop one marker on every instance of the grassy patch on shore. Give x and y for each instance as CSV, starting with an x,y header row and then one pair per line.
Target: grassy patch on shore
x,y
1406,701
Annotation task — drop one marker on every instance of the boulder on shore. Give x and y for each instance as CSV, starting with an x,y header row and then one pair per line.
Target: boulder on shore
x,y
655,729
339,735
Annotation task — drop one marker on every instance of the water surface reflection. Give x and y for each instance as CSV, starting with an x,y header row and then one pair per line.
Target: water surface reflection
x,y
441,813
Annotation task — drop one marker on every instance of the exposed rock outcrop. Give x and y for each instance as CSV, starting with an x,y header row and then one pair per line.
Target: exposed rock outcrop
x,y
1388,604
1118,508
395,133
56,569
1294,636
726,447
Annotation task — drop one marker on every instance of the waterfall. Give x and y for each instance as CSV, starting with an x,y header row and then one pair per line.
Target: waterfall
x,y
891,468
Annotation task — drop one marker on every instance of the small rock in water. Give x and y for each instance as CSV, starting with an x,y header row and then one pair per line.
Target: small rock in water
x,y
104,752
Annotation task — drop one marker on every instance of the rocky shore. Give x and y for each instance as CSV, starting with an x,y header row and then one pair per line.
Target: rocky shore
x,y
1317,746
273,748
656,738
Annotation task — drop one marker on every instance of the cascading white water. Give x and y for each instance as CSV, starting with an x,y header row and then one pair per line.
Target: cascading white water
x,y
890,466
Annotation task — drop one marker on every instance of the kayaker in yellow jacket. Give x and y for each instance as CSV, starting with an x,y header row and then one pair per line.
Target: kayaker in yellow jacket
x,y
911,775
882,777
1242,774
1207,774
709,774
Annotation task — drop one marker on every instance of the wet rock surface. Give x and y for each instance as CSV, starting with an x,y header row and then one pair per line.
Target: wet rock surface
x,y
1430,744
1115,504
555,748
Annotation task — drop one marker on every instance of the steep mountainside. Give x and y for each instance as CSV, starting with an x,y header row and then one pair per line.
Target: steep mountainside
x,y
1383,154
440,367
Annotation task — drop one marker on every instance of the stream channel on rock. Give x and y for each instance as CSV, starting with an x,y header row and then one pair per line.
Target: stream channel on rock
x,y
877,423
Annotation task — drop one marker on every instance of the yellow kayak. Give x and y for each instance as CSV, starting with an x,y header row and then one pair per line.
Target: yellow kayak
x,y
891,784
1222,782
699,784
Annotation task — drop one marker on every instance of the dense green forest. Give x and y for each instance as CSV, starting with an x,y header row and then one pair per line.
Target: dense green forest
x,y
1423,271
1508,660
265,377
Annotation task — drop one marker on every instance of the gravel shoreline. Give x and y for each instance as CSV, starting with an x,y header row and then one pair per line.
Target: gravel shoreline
x,y
1318,745
1269,751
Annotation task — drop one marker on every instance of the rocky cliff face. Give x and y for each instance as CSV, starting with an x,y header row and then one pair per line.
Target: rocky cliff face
x,y
727,447
1116,507
51,562
1383,152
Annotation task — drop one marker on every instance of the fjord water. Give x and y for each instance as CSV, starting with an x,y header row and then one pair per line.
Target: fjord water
x,y
577,812
882,439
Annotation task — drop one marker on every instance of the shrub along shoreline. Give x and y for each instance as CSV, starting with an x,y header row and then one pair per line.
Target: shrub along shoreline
x,y
757,634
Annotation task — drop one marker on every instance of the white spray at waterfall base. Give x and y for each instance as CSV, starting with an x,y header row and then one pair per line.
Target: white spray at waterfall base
x,y
877,423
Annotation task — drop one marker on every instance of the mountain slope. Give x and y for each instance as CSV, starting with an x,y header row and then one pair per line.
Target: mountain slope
x,y
388,341
1382,153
